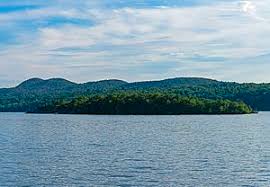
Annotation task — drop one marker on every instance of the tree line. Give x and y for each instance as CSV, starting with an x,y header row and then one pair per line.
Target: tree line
x,y
138,103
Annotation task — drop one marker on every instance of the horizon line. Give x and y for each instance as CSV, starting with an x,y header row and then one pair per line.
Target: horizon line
x,y
130,82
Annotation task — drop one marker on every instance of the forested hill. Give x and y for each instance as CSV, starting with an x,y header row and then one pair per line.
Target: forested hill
x,y
144,104
37,85
37,92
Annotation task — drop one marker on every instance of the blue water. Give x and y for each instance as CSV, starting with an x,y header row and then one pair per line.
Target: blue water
x,y
165,151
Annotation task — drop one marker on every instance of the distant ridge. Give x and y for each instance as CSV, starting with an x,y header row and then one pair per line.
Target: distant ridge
x,y
41,83
60,84
37,82
36,91
173,82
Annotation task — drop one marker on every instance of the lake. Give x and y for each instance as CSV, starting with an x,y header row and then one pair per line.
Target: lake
x,y
165,151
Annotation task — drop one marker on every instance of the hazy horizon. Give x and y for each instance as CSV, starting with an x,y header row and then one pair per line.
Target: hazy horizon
x,y
81,82
134,40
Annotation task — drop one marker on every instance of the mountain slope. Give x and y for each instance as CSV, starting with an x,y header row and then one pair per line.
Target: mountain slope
x,y
172,83
36,92
36,85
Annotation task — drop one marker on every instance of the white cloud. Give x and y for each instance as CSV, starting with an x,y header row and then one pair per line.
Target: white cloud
x,y
129,37
249,7
257,9
186,28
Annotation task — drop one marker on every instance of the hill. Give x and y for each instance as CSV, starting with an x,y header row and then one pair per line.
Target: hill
x,y
36,92
36,84
144,104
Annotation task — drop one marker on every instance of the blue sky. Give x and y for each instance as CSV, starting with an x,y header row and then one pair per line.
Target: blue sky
x,y
134,40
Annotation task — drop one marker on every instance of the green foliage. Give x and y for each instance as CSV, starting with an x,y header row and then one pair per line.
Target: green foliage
x,y
34,93
145,104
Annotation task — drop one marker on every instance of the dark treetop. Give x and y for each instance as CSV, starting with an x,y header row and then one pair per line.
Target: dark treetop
x,y
144,104
36,93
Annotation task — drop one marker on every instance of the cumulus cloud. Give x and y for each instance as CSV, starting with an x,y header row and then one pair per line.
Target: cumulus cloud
x,y
249,7
205,40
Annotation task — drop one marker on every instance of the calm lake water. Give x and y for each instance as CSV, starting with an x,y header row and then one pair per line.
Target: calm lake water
x,y
165,151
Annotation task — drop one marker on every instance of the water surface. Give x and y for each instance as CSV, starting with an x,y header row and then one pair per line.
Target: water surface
x,y
165,151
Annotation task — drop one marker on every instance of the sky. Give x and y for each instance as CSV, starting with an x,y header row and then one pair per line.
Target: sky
x,y
134,40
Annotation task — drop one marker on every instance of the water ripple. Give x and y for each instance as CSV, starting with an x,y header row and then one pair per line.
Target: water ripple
x,y
64,150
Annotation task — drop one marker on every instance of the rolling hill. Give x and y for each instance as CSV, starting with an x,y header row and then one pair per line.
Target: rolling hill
x,y
35,92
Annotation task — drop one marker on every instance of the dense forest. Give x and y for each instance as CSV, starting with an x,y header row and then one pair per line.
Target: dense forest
x,y
144,104
34,93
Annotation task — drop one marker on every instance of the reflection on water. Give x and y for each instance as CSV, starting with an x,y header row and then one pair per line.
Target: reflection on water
x,y
77,150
